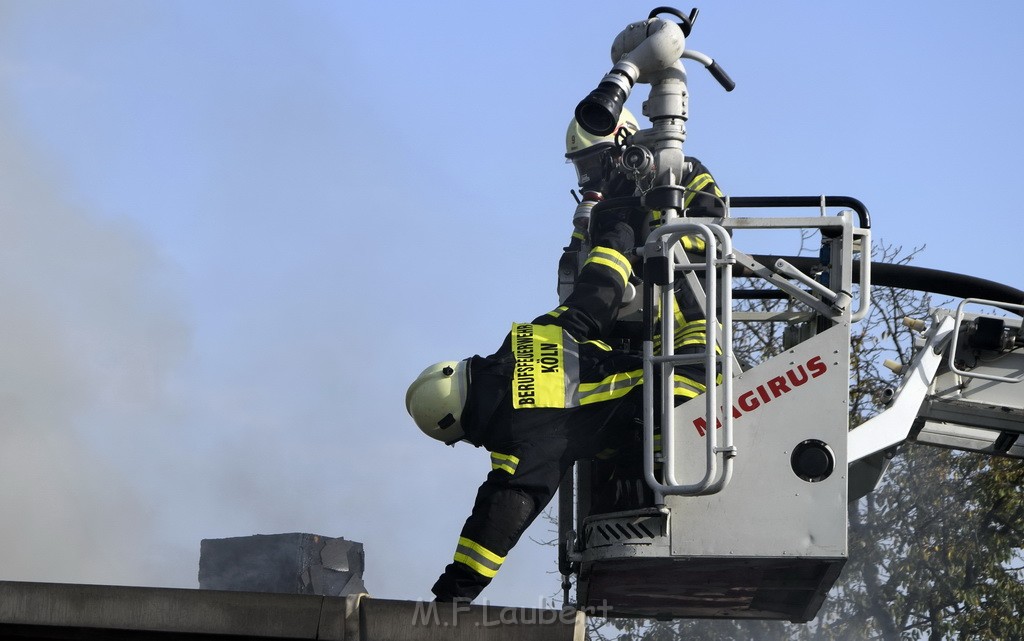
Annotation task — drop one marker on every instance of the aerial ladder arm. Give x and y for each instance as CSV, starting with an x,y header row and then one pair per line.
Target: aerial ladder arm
x,y
961,391
891,427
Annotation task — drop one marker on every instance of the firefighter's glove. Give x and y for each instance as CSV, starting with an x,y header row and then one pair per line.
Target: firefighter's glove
x,y
618,237
605,219
611,228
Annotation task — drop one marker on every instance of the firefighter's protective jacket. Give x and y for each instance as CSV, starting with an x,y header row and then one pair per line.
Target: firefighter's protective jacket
x,y
551,394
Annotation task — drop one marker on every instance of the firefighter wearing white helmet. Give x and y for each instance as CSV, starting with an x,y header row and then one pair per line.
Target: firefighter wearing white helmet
x,y
552,393
593,156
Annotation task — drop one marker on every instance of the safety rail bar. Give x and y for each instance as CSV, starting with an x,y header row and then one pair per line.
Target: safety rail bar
x,y
804,201
956,335
660,251
822,202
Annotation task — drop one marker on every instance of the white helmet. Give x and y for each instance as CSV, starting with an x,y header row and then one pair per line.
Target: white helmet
x,y
436,398
587,151
578,139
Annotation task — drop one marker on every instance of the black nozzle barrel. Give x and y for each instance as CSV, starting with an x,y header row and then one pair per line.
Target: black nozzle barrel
x,y
722,77
599,112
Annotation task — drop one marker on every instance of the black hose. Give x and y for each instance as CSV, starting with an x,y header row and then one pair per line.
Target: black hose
x,y
922,279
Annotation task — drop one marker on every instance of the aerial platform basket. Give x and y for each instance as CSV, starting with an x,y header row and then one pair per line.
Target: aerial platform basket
x,y
754,526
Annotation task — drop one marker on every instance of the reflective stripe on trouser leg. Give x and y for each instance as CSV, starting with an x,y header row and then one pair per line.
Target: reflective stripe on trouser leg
x,y
687,387
611,259
478,558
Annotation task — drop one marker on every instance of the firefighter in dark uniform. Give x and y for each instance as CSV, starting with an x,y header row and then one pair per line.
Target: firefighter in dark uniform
x,y
600,176
595,158
555,391
551,394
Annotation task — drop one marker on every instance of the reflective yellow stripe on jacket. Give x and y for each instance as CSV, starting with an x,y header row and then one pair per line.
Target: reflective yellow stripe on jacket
x,y
558,311
505,462
615,386
699,182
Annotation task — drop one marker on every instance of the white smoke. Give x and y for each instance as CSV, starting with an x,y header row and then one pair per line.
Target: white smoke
x,y
88,335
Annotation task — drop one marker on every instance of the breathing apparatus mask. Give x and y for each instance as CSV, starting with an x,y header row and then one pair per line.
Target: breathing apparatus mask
x,y
598,170
597,159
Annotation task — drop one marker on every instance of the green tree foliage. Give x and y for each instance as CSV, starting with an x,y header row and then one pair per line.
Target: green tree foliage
x,y
935,551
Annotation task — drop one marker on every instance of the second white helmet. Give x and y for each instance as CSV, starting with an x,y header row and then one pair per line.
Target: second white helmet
x,y
592,156
579,140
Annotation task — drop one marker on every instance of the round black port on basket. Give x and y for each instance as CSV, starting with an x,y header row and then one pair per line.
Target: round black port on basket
x,y
813,461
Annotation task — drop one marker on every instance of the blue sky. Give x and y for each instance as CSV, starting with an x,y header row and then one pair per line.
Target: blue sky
x,y
232,232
